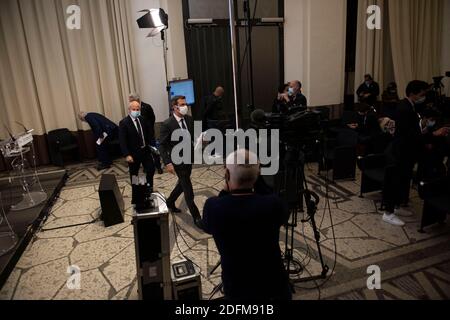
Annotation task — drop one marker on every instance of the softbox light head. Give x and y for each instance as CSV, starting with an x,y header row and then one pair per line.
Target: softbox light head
x,y
155,19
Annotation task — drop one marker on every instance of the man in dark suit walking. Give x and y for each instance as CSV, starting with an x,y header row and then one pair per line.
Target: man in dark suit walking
x,y
135,136
104,131
179,121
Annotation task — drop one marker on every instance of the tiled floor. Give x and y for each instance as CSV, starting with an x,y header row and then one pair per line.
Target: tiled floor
x,y
413,265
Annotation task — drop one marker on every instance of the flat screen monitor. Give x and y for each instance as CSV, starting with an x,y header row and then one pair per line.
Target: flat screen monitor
x,y
183,88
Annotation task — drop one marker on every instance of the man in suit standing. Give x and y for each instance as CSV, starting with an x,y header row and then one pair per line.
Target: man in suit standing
x,y
149,116
404,152
135,136
179,121
104,131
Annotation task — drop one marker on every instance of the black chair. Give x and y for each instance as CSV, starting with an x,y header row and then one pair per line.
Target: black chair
x,y
61,142
339,154
436,206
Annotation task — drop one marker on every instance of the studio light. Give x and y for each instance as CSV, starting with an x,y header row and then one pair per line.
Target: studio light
x,y
155,19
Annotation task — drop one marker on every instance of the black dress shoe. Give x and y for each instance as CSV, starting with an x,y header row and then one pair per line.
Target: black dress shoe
x,y
173,209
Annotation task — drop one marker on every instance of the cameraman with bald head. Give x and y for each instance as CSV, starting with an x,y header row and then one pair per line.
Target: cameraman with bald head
x,y
246,227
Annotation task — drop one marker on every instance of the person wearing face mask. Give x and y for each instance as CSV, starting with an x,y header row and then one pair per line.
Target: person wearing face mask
x,y
246,228
297,101
179,121
404,152
148,115
135,137
368,91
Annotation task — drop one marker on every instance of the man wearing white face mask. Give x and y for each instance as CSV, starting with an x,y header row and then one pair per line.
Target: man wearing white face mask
x,y
407,145
135,138
179,121
296,97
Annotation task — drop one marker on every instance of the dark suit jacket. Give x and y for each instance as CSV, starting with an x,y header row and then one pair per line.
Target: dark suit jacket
x,y
149,115
373,90
299,100
166,143
408,140
129,136
100,124
246,229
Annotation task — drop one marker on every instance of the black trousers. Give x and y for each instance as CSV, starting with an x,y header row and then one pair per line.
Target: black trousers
x,y
143,157
184,185
398,185
103,152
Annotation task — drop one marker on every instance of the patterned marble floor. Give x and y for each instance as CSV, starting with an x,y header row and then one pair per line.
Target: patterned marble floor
x,y
413,265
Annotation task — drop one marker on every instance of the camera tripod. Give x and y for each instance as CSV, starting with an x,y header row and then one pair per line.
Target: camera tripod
x,y
219,287
294,189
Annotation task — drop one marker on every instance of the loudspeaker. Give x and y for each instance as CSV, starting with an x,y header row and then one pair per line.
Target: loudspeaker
x,y
111,201
151,235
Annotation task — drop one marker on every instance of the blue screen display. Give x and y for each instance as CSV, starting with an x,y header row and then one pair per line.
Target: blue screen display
x,y
183,88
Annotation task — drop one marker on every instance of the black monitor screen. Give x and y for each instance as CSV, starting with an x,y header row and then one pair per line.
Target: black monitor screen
x,y
183,88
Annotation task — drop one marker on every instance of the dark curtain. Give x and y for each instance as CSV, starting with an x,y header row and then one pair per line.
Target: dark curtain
x,y
209,64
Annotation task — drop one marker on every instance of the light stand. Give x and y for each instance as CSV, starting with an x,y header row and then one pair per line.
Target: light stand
x,y
166,71
158,21
248,33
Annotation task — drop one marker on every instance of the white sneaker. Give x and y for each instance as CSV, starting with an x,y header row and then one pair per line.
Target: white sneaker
x,y
391,218
402,212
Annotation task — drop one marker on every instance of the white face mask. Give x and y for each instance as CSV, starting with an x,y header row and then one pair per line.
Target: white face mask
x,y
183,110
421,100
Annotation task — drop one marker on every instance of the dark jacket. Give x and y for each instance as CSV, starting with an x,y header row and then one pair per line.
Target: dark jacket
x,y
246,231
149,115
373,90
299,100
408,141
129,136
166,143
100,124
214,108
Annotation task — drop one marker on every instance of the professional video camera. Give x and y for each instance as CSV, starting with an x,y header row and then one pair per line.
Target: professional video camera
x,y
299,130
297,127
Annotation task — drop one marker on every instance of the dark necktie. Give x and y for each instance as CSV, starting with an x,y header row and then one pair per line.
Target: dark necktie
x,y
183,124
141,136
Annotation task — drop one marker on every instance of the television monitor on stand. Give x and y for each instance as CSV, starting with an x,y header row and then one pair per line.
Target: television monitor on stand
x,y
183,88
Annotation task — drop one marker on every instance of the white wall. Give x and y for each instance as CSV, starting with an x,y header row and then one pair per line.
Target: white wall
x,y
315,34
149,54
445,62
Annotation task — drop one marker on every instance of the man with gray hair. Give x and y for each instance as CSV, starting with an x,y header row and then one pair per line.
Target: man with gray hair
x,y
246,227
148,115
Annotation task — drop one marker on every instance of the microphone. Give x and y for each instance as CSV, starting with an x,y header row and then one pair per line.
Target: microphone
x,y
22,125
9,132
258,116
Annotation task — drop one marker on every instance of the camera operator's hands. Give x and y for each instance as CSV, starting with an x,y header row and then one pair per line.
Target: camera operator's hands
x,y
443,132
353,126
283,96
170,169
130,159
